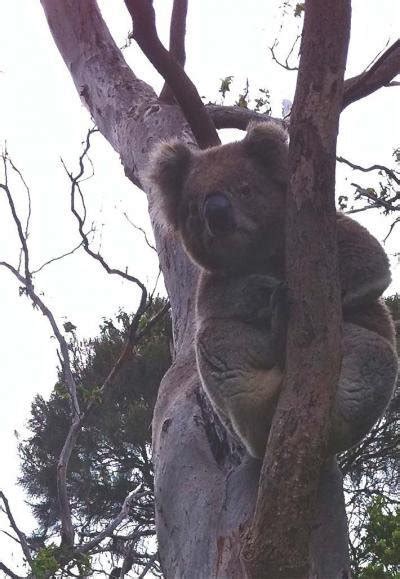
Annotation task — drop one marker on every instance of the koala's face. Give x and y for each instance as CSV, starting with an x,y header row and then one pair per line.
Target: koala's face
x,y
227,202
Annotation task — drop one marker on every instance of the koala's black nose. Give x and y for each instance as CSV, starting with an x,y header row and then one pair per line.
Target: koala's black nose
x,y
218,213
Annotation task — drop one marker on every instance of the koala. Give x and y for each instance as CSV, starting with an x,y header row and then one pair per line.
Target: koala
x,y
227,204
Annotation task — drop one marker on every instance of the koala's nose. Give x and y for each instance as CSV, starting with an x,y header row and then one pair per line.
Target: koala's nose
x,y
218,213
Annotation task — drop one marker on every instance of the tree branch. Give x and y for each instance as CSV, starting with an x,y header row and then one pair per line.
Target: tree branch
x,y
235,117
10,573
286,64
21,536
389,172
381,73
279,542
75,180
110,528
145,34
177,35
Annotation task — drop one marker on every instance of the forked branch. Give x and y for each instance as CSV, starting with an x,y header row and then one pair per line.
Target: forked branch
x,y
381,73
185,92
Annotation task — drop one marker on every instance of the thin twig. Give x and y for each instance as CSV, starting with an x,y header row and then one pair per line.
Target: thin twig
x,y
138,228
57,258
286,64
186,94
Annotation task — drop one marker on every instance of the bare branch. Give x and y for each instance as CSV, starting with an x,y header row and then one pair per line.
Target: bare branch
x,y
381,73
389,172
145,34
110,528
10,573
148,566
372,196
138,228
17,221
58,257
75,180
65,511
21,536
176,42
286,64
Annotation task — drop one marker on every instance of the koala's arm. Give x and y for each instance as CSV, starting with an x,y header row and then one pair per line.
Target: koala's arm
x,y
363,264
239,331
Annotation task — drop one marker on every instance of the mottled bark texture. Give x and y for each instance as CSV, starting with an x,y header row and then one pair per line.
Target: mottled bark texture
x,y
278,545
205,487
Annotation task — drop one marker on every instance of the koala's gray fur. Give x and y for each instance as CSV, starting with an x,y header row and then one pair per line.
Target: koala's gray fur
x,y
228,205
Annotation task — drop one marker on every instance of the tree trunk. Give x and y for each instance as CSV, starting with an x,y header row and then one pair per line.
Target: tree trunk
x,y
205,485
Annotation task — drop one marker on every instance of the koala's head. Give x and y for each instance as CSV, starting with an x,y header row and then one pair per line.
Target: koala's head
x,y
226,202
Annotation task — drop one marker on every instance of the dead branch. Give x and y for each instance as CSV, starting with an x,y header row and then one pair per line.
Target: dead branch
x,y
110,528
285,64
21,536
278,544
380,74
176,43
142,231
58,258
389,172
65,510
75,187
369,194
10,573
186,94
148,566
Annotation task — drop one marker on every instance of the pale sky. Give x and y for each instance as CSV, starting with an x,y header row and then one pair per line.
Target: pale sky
x,y
42,119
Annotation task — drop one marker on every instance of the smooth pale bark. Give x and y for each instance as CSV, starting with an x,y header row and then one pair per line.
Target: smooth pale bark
x,y
205,487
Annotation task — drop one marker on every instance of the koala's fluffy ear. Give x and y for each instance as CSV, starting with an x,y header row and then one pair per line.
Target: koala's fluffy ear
x,y
268,144
169,166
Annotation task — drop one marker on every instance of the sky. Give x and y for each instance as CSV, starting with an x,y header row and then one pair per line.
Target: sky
x,y
43,120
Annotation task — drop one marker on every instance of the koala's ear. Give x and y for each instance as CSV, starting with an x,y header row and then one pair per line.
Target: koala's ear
x,y
268,144
169,166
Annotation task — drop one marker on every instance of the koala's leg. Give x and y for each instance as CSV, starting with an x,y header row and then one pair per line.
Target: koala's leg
x,y
367,380
236,362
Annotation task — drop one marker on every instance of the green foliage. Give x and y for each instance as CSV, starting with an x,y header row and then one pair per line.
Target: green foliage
x,y
45,563
393,303
225,85
263,102
380,545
